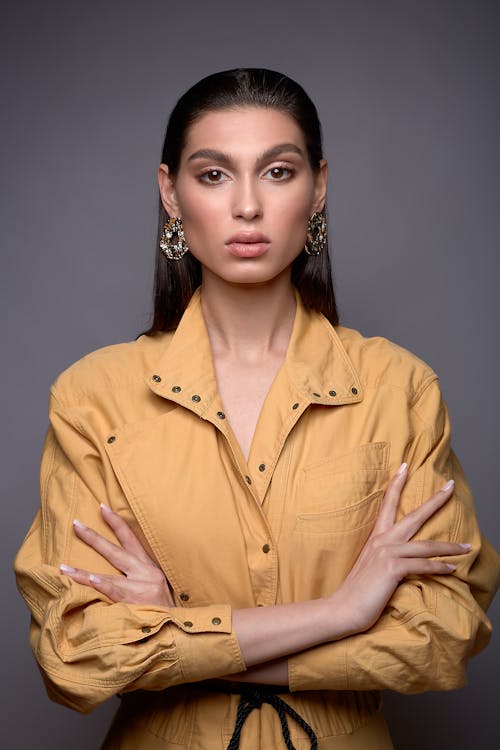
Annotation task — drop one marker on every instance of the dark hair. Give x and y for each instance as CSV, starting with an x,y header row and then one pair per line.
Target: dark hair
x,y
175,281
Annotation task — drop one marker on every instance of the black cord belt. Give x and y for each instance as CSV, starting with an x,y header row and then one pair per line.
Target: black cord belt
x,y
254,696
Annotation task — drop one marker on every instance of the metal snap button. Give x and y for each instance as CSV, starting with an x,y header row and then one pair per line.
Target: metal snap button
x,y
221,415
332,393
262,467
176,388
266,548
354,390
196,397
216,621
188,624
184,597
156,378
111,439
146,629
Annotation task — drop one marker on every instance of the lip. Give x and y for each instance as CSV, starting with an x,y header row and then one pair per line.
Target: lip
x,y
247,238
248,244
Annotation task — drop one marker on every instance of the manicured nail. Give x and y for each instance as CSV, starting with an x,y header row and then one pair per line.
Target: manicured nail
x,y
450,566
66,568
465,546
449,484
94,578
401,469
106,507
79,524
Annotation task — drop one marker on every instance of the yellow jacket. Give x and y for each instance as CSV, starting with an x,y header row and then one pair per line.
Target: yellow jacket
x,y
141,427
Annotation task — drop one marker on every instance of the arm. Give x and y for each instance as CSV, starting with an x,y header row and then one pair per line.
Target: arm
x,y
432,624
88,646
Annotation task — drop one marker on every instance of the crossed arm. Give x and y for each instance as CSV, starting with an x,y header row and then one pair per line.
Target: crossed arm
x,y
266,635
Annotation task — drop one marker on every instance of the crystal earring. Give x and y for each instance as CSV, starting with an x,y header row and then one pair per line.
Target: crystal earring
x,y
173,243
316,233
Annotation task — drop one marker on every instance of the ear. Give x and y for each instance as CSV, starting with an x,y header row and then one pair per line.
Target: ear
x,y
168,194
320,186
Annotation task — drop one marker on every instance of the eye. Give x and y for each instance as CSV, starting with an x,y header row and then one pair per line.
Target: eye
x,y
279,174
213,176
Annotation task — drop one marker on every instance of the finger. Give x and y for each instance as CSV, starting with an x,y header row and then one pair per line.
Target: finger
x,y
117,556
408,526
76,574
124,534
424,566
389,506
130,591
427,548
106,584
154,590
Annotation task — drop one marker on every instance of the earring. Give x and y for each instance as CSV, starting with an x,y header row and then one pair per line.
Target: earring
x,y
173,240
316,233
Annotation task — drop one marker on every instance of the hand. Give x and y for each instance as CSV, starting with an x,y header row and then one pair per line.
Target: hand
x,y
388,556
142,582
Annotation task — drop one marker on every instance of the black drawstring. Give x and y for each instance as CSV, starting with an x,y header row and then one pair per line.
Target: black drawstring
x,y
253,697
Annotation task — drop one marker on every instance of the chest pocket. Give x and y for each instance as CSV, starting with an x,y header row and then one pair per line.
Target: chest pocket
x,y
343,493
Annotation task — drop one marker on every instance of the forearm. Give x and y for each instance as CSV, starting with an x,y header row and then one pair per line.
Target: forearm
x,y
268,633
270,673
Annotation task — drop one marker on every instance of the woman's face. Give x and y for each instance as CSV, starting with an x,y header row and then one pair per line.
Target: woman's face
x,y
244,190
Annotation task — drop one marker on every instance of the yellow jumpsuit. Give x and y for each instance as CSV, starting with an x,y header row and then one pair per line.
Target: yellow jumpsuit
x,y
141,427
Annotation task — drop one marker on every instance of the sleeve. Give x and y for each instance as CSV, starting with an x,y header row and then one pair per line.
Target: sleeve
x,y
87,647
431,625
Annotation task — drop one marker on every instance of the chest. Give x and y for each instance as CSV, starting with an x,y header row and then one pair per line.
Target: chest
x,y
243,390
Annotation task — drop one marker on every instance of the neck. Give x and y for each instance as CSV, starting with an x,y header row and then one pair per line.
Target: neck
x,y
248,322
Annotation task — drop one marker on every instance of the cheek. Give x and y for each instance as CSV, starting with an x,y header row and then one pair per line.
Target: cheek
x,y
294,212
197,210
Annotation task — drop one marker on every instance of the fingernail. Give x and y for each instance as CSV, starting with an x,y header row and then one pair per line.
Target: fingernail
x,y
67,568
450,566
449,484
106,507
401,469
79,524
465,546
94,579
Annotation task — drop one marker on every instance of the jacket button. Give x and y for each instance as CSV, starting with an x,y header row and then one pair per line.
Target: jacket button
x,y
188,624
266,548
216,621
332,393
196,398
262,467
156,378
221,415
247,479
295,406
176,388
354,390
146,629
184,597
111,439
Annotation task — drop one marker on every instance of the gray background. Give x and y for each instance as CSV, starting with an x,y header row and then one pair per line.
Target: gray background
x,y
408,93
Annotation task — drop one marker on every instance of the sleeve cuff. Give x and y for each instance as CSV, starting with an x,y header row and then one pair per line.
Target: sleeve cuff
x,y
205,642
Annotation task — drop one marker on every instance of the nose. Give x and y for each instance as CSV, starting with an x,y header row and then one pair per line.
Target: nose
x,y
247,203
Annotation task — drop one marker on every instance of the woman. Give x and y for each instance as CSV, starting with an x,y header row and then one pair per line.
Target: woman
x,y
280,536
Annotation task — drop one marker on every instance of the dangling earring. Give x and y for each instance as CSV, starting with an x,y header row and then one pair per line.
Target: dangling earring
x,y
316,233
173,240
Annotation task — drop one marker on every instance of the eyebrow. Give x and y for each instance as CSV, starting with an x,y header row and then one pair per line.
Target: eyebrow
x,y
222,158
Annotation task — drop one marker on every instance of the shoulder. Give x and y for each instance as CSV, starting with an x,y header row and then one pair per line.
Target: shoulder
x,y
109,369
381,362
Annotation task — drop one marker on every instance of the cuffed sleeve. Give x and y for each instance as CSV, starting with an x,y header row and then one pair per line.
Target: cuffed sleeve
x,y
431,625
88,647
